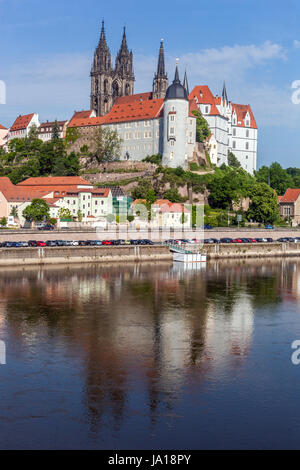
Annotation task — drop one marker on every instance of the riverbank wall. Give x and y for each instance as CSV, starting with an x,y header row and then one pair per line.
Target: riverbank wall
x,y
251,250
76,255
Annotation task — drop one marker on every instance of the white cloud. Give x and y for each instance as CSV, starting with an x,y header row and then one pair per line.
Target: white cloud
x,y
296,44
56,85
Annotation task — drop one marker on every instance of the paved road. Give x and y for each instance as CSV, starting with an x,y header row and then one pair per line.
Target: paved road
x,y
155,235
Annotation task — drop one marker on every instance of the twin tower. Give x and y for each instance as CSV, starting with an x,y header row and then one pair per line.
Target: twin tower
x,y
109,83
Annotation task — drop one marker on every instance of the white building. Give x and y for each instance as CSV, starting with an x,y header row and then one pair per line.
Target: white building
x,y
3,134
22,125
46,130
233,126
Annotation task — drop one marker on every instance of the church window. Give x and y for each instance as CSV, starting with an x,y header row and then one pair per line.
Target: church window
x,y
172,118
233,144
247,133
172,143
234,132
172,130
247,145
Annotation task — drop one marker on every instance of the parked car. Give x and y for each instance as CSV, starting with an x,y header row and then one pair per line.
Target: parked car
x,y
46,227
226,240
106,242
41,243
207,227
269,227
51,243
237,240
32,243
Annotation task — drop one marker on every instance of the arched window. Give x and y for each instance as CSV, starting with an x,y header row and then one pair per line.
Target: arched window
x,y
115,89
105,86
127,89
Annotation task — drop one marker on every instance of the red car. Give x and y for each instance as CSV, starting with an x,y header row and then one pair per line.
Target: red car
x,y
237,240
106,242
40,243
253,240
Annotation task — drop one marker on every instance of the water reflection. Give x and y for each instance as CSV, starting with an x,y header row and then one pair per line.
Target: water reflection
x,y
134,340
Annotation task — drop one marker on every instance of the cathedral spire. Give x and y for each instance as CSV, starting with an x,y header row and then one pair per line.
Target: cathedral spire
x,y
224,93
186,83
160,82
124,47
161,61
102,41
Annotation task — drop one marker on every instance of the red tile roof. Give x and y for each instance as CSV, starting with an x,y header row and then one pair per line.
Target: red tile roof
x,y
133,110
55,181
51,124
85,122
3,128
22,122
166,206
103,192
17,194
241,111
291,195
133,98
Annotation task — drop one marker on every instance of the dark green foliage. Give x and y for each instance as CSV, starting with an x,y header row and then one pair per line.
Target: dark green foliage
x,y
202,128
31,157
279,179
264,205
157,159
233,161
38,211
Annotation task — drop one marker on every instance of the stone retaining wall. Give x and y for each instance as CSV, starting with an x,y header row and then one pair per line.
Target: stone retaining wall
x,y
66,255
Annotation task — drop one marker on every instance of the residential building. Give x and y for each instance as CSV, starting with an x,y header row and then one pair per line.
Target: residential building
x,y
46,130
16,198
22,125
170,215
289,206
57,186
3,134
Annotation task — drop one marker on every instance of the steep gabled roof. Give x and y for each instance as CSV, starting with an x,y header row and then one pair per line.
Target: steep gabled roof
x,y
135,111
291,195
241,112
3,128
22,122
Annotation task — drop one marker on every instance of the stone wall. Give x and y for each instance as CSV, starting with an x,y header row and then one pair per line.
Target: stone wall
x,y
67,255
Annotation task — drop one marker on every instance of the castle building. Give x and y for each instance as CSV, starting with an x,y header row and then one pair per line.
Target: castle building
x,y
233,126
162,121
108,83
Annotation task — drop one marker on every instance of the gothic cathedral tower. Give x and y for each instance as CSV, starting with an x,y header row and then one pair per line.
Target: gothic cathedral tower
x,y
160,82
108,84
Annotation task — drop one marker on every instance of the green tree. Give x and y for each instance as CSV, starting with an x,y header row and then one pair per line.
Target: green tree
x,y
264,204
37,211
172,195
279,179
202,128
79,216
55,131
3,222
233,161
105,145
64,213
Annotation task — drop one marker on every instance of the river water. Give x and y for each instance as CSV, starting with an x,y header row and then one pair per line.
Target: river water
x,y
150,356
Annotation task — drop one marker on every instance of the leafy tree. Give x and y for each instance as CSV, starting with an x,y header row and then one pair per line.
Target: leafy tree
x,y
279,179
37,211
202,128
233,161
64,213
14,212
3,222
142,189
79,216
264,204
105,145
173,195
295,174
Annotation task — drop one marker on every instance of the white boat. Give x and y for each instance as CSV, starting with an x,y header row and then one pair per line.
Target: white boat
x,y
189,257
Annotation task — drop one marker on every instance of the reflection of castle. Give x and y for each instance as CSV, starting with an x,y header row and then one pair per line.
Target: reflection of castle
x,y
143,326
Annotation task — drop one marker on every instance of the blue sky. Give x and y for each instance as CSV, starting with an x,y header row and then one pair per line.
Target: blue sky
x,y
47,50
